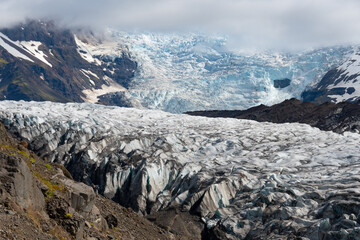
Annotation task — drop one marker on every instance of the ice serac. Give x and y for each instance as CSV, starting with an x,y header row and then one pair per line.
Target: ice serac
x,y
244,178
340,84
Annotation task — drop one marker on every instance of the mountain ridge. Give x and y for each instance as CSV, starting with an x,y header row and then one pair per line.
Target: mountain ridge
x,y
340,117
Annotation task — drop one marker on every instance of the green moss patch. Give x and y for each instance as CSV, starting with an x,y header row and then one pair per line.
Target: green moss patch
x,y
3,61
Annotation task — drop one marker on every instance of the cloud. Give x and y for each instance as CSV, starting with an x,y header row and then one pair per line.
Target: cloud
x,y
265,24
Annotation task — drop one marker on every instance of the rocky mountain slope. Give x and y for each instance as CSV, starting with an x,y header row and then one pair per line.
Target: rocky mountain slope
x,y
339,117
41,61
243,179
339,84
40,200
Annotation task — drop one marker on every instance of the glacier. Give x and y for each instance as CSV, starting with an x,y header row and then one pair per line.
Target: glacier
x,y
186,72
247,177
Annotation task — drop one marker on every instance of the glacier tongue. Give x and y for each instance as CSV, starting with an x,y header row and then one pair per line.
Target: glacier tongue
x,y
248,177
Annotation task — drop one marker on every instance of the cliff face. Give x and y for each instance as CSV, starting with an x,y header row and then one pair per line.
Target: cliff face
x,y
39,200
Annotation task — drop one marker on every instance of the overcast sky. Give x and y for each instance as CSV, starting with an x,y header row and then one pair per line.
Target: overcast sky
x,y
279,24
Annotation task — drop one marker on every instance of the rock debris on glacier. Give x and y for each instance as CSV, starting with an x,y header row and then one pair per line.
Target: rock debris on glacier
x,y
247,178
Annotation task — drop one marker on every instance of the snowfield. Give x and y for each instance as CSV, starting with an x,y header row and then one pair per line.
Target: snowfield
x,y
247,177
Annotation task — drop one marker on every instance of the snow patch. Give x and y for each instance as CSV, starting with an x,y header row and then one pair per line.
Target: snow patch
x,y
352,65
92,95
89,50
88,72
84,51
13,51
31,47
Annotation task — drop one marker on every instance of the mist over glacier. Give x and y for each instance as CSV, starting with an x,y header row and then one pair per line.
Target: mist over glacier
x,y
261,24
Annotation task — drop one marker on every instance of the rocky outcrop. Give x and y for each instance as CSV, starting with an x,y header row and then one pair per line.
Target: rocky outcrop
x,y
339,117
17,182
181,222
243,179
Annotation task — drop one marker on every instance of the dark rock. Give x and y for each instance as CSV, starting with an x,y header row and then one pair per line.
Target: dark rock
x,y
339,117
282,83
111,221
57,208
82,197
118,99
18,182
350,90
214,233
183,223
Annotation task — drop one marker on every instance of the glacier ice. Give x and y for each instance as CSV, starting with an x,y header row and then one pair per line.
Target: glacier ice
x,y
183,72
241,174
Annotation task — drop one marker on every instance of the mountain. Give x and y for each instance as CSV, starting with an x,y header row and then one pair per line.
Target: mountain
x,y
340,84
171,72
339,117
40,61
240,179
40,200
